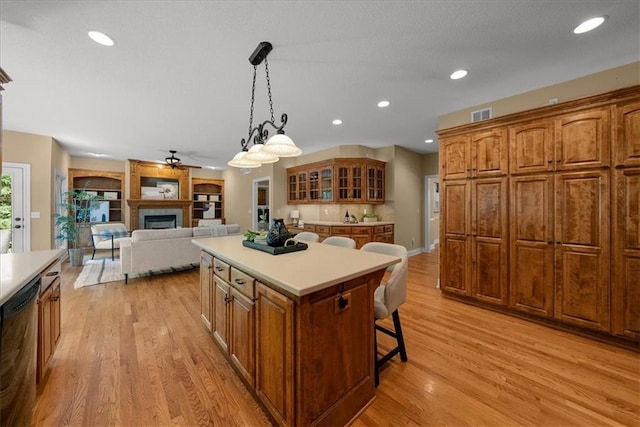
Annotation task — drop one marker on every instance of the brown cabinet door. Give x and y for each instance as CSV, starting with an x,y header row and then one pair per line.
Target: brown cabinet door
x,y
489,240
303,189
242,331
582,249
326,184
627,139
583,140
531,248
45,349
375,184
292,188
206,282
220,315
55,315
489,153
314,186
531,147
456,161
625,304
274,353
455,256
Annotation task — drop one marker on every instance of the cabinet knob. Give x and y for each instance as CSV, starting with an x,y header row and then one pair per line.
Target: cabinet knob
x,y
227,299
55,298
550,242
240,281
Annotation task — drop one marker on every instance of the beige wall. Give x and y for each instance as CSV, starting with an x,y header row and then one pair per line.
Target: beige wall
x,y
605,81
238,191
408,183
37,151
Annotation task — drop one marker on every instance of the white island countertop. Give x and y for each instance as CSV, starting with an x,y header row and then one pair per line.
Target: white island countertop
x,y
17,269
299,273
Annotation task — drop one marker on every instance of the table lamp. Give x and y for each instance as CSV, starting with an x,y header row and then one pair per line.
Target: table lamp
x,y
294,216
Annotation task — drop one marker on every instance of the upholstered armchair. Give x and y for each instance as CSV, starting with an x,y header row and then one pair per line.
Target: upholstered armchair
x,y
108,236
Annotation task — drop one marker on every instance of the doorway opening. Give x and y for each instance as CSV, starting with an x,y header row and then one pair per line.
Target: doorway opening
x,y
15,235
431,212
261,203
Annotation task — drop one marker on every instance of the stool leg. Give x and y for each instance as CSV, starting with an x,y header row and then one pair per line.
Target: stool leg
x,y
376,378
399,336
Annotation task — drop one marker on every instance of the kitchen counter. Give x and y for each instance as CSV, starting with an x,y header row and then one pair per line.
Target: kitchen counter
x,y
17,269
362,223
297,273
297,327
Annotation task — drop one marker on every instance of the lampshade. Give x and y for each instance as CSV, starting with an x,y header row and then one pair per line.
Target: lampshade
x,y
259,155
238,161
294,214
282,146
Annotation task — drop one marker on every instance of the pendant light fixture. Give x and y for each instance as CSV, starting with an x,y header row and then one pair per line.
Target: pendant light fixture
x,y
264,150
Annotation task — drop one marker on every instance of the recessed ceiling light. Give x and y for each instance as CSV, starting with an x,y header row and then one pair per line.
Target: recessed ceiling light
x,y
383,104
98,155
101,38
458,74
428,141
337,122
589,25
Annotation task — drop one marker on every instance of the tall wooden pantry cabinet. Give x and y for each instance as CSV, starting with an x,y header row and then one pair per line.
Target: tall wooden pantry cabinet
x,y
540,213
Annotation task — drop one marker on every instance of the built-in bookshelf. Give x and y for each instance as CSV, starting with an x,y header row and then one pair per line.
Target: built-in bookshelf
x,y
208,199
108,186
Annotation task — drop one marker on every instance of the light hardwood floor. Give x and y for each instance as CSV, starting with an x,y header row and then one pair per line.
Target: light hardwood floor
x,y
138,354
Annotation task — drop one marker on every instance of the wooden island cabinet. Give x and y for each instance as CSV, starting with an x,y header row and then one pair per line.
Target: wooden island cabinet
x,y
536,204
299,335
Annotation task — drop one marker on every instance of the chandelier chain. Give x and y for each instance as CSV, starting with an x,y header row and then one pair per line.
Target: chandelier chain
x,y
253,96
266,68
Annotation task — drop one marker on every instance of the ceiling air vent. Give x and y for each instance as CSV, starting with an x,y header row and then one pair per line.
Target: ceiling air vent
x,y
479,115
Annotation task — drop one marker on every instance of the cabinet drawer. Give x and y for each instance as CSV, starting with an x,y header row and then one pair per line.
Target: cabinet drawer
x,y
310,227
342,230
49,275
378,229
221,269
388,228
361,231
323,229
243,282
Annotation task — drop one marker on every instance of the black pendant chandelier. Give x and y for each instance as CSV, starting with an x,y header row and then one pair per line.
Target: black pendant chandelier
x,y
172,160
264,150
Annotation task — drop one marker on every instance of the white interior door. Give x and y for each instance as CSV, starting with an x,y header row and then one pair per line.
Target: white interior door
x,y
432,212
14,208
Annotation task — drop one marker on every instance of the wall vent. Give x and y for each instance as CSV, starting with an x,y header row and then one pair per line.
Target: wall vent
x,y
479,115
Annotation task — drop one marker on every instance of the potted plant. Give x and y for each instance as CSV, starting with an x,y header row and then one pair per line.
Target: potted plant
x,y
77,205
369,217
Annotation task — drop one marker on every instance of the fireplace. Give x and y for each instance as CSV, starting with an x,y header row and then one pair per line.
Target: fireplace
x,y
159,221
160,218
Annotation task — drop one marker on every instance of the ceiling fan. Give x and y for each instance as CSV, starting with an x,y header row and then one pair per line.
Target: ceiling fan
x,y
173,161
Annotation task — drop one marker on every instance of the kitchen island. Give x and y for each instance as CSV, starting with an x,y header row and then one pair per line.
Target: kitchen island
x,y
297,327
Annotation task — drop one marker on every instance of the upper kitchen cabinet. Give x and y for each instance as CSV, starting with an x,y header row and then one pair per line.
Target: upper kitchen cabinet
x,y
479,154
627,137
344,180
582,140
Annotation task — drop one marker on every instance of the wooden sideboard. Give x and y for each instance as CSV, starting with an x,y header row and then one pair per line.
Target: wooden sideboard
x,y
362,233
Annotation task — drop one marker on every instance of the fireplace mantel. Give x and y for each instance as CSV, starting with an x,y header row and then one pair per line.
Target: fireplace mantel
x,y
136,204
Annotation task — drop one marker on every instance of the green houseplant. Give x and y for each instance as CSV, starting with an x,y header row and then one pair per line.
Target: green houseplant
x,y
76,206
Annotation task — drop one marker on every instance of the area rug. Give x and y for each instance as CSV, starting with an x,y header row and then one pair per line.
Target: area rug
x,y
96,271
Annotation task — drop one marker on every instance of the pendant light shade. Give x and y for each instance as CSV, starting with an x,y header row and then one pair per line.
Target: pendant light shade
x,y
259,154
282,146
239,161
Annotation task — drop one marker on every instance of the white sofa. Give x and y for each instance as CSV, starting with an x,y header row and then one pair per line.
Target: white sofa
x,y
160,250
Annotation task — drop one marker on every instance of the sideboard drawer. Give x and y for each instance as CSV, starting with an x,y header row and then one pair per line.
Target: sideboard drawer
x,y
221,269
341,230
243,282
49,275
361,230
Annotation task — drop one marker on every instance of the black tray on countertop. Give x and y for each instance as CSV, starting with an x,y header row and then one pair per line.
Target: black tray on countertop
x,y
275,250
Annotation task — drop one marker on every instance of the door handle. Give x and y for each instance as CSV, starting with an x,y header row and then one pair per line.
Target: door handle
x,y
18,226
18,219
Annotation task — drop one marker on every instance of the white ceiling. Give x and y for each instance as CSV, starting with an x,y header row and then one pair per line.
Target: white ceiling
x,y
179,77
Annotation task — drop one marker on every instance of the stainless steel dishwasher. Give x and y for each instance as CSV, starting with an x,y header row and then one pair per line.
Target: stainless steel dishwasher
x,y
18,347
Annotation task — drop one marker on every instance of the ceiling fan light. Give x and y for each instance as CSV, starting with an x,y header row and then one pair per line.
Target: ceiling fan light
x,y
282,146
258,154
238,161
